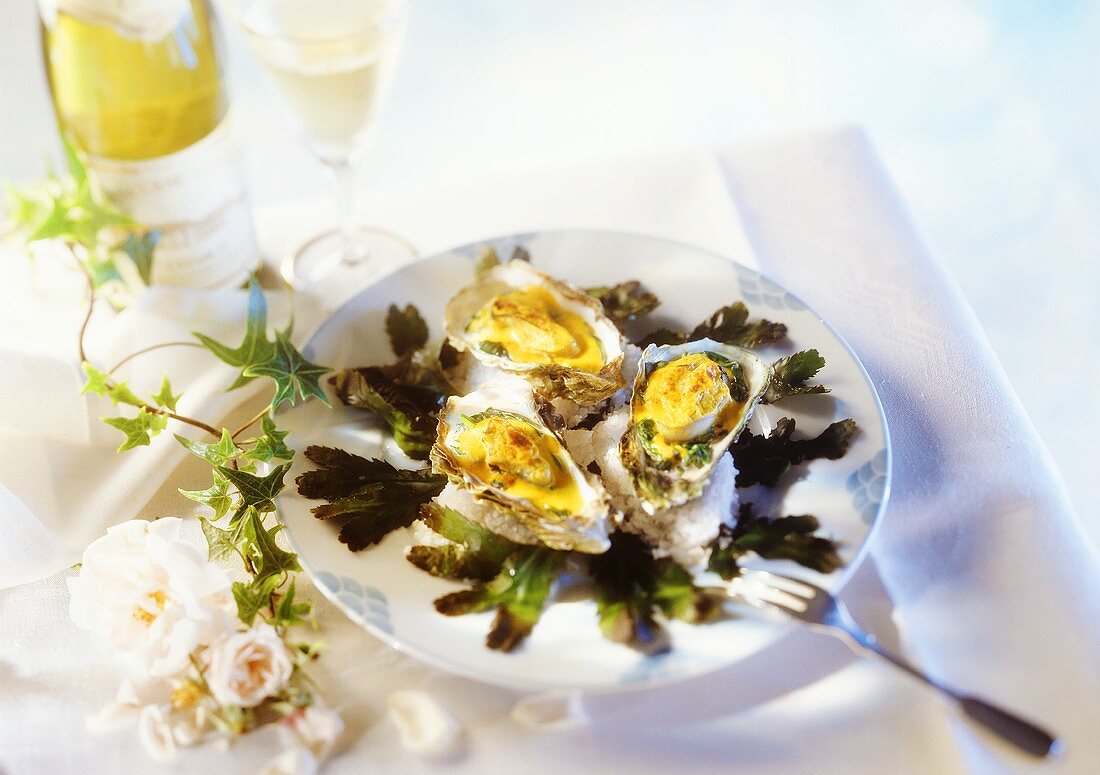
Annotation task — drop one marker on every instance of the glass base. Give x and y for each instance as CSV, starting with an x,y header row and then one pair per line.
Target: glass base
x,y
330,256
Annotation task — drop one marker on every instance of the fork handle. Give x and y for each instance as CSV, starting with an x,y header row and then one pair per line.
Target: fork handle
x,y
1008,726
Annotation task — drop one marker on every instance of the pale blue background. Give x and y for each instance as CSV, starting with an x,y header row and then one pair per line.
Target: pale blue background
x,y
987,114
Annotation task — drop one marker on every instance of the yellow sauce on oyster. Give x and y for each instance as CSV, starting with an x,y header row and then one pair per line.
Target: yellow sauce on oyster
x,y
518,459
531,326
682,400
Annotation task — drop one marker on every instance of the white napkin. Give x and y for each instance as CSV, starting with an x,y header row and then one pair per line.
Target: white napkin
x,y
995,585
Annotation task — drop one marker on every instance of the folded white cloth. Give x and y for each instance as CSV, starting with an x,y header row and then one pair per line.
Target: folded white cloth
x,y
990,576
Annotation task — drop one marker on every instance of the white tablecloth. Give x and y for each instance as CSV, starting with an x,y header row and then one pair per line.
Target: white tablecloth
x,y
979,561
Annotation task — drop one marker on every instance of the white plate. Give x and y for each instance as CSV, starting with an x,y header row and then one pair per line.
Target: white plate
x,y
392,599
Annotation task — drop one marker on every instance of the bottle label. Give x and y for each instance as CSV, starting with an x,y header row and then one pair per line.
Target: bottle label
x,y
198,200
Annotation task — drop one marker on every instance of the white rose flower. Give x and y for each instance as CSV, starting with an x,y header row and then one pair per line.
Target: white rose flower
x,y
150,591
292,761
245,668
155,733
315,728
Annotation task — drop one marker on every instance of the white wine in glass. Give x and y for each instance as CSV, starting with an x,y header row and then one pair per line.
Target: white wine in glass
x,y
331,62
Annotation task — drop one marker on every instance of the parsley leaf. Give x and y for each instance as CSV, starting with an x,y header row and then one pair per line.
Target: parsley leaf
x,y
632,587
729,324
487,258
518,593
255,348
785,538
367,498
626,301
476,553
411,411
292,373
406,330
789,376
139,430
494,348
764,459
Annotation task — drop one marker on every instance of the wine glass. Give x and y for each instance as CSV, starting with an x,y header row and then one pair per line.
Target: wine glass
x,y
331,62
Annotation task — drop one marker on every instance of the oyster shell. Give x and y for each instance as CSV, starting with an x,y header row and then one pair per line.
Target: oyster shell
x,y
551,333
689,402
497,443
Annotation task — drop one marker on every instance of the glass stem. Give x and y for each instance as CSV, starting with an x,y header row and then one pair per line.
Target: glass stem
x,y
342,176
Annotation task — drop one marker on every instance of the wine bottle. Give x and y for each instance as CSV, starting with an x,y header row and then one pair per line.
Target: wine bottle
x,y
137,86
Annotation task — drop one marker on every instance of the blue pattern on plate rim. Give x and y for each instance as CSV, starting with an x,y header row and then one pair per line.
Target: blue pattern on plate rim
x,y
368,603
867,486
757,289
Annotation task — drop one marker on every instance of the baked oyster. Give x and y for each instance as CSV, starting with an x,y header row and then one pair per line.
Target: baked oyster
x,y
689,402
496,444
549,332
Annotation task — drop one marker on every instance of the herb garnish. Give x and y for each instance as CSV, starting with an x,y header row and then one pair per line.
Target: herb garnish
x,y
407,394
632,587
789,376
785,538
368,498
624,302
729,325
764,459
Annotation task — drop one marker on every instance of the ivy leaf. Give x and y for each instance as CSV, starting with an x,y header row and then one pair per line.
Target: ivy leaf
x,y
476,553
165,398
406,330
626,301
139,430
268,558
256,491
764,459
221,544
785,538
411,412
368,498
294,376
256,348
140,251
288,613
518,593
71,208
99,383
789,376
632,587
270,445
252,597
215,454
216,496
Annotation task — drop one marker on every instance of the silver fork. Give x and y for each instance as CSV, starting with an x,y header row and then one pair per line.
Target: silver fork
x,y
814,606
